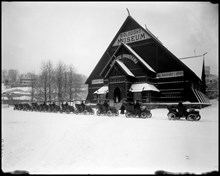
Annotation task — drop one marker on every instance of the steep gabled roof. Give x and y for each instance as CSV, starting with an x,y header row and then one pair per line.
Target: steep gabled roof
x,y
139,58
110,60
106,58
129,49
125,68
122,66
103,60
157,41
152,35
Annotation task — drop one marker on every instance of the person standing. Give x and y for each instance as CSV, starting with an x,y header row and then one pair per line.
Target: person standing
x,y
106,106
137,107
181,109
83,106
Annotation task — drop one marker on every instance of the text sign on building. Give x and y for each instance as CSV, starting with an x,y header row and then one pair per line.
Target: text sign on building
x,y
170,74
131,36
97,81
128,56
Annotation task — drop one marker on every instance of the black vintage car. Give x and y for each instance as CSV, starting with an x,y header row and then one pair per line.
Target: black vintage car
x,y
190,114
102,109
67,108
141,113
85,109
23,106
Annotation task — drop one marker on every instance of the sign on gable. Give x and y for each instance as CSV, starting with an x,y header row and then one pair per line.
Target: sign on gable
x,y
131,36
170,74
97,81
128,56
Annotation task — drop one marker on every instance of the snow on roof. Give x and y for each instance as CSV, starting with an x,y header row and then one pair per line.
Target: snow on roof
x,y
143,87
102,90
22,98
20,92
20,89
139,58
123,66
4,98
194,63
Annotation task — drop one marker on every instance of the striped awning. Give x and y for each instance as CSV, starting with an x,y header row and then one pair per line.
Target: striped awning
x,y
201,97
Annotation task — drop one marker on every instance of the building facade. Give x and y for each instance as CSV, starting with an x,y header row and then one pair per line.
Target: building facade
x,y
137,66
212,89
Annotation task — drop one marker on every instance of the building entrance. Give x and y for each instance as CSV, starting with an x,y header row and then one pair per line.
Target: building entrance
x,y
117,95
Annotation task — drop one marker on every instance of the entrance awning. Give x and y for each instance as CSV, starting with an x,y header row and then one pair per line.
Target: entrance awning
x,y
102,90
143,87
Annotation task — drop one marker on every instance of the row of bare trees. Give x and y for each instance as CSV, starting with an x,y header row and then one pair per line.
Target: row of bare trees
x,y
58,82
55,82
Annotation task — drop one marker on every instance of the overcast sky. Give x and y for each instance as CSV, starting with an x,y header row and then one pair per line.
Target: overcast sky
x,y
79,33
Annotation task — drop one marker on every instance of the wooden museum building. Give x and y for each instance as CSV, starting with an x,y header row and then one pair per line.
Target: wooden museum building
x,y
137,66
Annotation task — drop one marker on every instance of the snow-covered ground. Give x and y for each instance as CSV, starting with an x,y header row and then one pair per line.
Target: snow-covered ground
x,y
54,143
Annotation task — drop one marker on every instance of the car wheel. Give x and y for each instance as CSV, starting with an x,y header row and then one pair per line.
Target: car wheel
x,y
171,116
191,117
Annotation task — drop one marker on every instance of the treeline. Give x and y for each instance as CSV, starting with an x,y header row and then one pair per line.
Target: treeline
x,y
58,82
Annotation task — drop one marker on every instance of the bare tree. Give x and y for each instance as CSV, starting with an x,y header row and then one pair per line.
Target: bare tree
x,y
39,90
65,83
4,75
71,73
33,78
60,80
78,86
44,80
50,71
13,76
61,83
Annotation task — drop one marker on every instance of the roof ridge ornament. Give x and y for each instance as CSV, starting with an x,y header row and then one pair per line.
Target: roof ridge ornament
x,y
128,12
205,53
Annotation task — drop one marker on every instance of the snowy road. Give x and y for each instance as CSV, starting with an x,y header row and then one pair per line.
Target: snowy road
x,y
50,143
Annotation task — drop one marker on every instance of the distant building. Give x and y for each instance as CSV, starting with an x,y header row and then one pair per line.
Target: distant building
x,y
212,83
6,82
137,66
207,70
208,76
26,81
